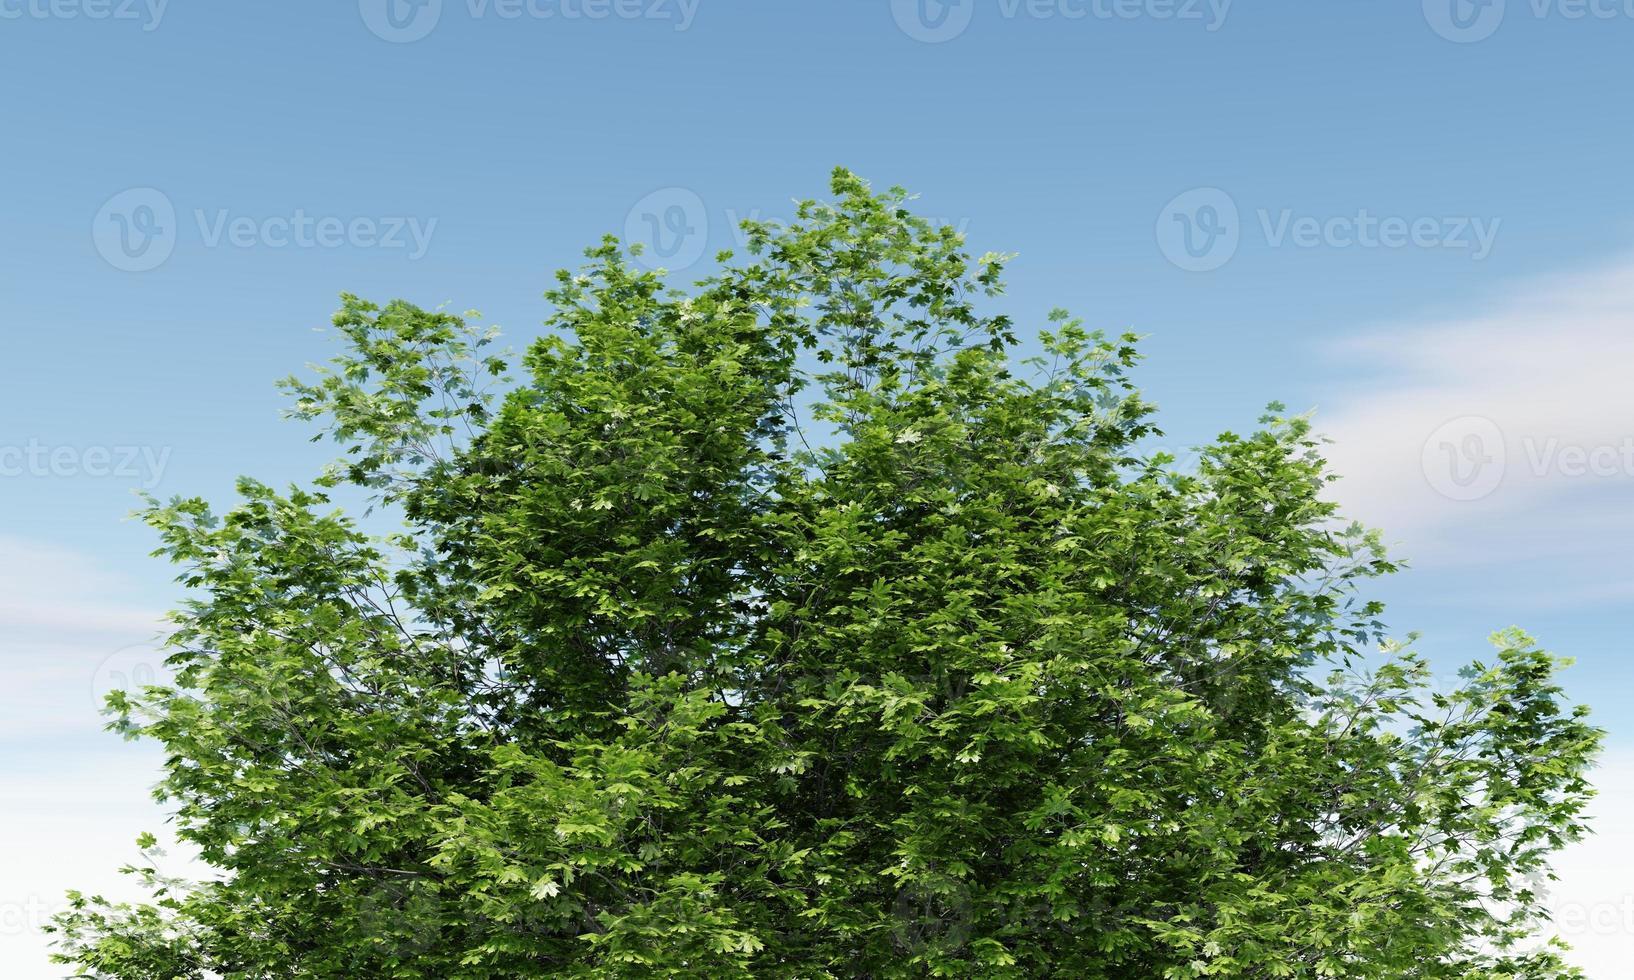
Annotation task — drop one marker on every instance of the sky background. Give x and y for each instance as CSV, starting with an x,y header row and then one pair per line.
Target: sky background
x,y
1411,218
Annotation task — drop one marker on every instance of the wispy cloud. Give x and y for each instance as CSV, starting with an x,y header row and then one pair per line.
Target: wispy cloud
x,y
1505,435
72,797
69,633
56,591
1593,903
72,822
1504,431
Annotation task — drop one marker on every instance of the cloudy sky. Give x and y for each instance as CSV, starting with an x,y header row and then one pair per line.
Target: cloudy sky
x,y
1412,219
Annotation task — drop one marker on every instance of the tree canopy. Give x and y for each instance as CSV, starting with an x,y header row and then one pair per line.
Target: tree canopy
x,y
795,624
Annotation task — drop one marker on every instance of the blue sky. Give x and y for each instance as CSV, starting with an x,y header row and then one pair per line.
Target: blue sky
x,y
1410,217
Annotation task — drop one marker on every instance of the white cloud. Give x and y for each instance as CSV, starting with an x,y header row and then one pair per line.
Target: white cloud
x,y
72,798
1507,435
71,825
55,591
68,634
1593,902
1517,420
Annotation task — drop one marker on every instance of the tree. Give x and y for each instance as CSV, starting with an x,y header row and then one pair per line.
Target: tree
x,y
795,626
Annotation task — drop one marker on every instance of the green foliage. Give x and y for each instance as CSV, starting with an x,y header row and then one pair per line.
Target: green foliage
x,y
791,627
